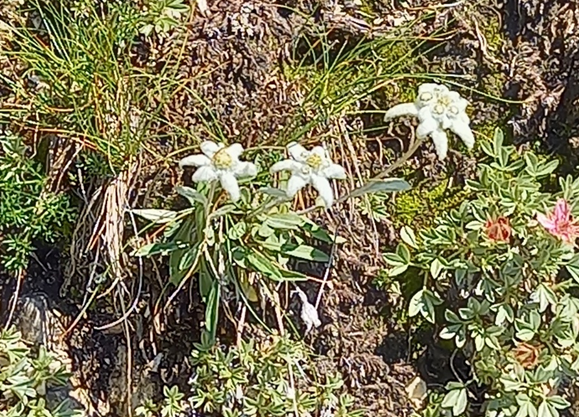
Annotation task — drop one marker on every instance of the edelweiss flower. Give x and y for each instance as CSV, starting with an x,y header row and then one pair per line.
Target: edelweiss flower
x,y
560,222
309,314
220,163
310,167
437,109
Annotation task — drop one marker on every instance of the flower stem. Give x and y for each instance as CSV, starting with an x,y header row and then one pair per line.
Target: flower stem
x,y
414,145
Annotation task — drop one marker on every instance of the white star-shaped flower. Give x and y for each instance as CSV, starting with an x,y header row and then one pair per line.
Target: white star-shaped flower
x,y
218,162
437,109
310,167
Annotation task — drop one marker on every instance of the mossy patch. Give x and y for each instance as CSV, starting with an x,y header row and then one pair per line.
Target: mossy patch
x,y
421,205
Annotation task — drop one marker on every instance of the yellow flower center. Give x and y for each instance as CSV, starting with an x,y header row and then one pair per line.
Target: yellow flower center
x,y
425,96
444,101
453,110
439,109
222,160
314,161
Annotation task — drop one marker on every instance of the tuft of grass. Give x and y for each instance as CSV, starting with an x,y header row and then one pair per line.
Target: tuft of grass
x,y
86,87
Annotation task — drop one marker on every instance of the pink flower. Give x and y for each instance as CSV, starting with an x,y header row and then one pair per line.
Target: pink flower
x,y
560,222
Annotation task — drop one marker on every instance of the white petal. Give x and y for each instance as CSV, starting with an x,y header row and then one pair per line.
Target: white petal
x,y
296,183
426,127
320,151
324,188
463,131
425,113
209,148
205,174
426,94
440,143
229,184
404,109
194,161
286,165
297,151
335,171
455,97
235,151
445,122
431,88
245,169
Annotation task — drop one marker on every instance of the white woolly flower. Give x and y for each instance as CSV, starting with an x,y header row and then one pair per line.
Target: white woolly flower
x,y
218,162
309,314
310,167
437,109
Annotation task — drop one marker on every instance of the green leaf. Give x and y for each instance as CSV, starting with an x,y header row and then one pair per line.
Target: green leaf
x,y
528,327
498,141
397,270
547,410
377,186
435,268
263,265
319,233
212,310
180,262
423,302
222,211
288,221
457,400
156,215
403,252
306,252
394,259
547,168
237,231
573,267
544,296
504,313
408,237
293,275
558,402
192,195
274,192
157,248
526,407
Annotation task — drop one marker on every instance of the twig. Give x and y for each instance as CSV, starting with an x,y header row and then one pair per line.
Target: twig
x,y
241,324
15,297
140,286
129,358
328,267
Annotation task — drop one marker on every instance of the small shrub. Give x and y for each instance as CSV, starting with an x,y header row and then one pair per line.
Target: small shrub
x,y
27,211
24,379
272,377
500,278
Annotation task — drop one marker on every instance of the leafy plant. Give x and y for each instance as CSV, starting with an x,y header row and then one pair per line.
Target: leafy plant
x,y
173,405
85,86
162,16
244,243
274,377
502,286
27,211
24,380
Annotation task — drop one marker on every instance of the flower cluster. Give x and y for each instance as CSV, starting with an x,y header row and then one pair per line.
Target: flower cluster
x,y
220,163
560,222
437,109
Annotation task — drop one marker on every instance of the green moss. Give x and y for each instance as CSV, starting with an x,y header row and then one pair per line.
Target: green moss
x,y
421,205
